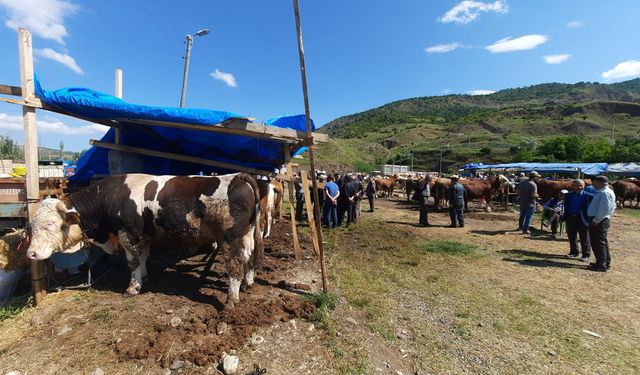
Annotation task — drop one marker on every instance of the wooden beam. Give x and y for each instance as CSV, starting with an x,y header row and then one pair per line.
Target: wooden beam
x,y
292,202
10,90
118,132
25,49
32,102
304,177
188,159
236,127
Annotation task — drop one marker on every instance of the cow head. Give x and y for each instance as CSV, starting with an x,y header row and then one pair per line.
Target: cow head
x,y
54,228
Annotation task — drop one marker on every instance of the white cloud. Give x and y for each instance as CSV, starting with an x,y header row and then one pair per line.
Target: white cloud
x,y
626,69
518,44
44,18
575,24
62,58
469,10
227,78
447,91
480,92
442,48
11,122
556,59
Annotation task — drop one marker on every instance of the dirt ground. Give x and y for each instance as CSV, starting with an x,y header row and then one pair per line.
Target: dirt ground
x,y
505,303
177,324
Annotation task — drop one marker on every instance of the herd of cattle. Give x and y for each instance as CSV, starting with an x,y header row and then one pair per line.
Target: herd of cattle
x,y
131,213
487,189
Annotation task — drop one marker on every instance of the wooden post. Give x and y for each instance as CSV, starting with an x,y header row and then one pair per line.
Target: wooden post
x,y
118,134
307,202
25,50
292,207
312,167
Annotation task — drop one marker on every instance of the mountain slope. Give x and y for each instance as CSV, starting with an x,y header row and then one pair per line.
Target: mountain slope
x,y
492,123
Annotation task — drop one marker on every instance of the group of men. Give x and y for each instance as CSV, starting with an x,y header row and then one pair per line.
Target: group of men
x,y
343,195
586,213
457,197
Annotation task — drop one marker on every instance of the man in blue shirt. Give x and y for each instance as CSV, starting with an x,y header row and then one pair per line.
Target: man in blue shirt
x,y
600,211
331,192
575,217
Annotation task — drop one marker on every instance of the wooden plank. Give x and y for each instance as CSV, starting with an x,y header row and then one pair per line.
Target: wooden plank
x,y
309,206
10,90
292,208
25,49
117,131
188,159
30,103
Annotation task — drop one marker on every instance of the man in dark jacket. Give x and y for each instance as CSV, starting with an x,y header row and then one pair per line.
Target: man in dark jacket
x,y
457,195
371,193
422,196
575,217
299,198
351,190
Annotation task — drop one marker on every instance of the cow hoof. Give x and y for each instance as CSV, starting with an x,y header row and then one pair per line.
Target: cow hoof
x,y
133,290
229,305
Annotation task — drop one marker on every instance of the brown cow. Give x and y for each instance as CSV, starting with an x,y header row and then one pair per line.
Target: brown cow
x,y
626,190
548,189
483,189
410,186
440,190
386,185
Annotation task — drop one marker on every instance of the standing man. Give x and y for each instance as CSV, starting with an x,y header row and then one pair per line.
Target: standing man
x,y
371,193
422,196
528,196
351,191
331,193
360,180
299,197
457,195
600,211
575,216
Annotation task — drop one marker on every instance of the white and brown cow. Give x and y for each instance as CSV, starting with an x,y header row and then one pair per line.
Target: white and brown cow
x,y
134,211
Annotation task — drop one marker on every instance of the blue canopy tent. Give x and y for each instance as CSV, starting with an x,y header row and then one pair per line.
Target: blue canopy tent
x,y
177,141
624,169
591,169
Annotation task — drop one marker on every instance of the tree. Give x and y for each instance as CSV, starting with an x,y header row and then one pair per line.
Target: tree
x,y
8,148
61,146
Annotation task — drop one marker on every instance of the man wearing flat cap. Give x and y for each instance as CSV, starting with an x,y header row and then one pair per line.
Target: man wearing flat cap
x,y
457,195
600,211
528,195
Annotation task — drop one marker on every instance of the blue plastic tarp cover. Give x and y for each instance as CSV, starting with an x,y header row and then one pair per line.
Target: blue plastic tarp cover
x,y
591,169
251,152
624,169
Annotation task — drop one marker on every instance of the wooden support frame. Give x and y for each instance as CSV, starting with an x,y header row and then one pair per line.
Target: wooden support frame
x,y
25,48
304,177
118,94
292,202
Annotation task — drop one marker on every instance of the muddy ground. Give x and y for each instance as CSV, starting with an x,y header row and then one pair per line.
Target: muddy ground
x,y
177,324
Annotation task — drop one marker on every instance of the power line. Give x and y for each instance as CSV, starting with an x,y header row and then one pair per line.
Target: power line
x,y
173,43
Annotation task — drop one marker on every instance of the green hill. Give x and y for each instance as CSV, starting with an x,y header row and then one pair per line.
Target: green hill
x,y
488,128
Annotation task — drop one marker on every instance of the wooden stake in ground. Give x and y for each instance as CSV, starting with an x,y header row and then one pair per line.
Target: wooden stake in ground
x,y
308,204
312,167
25,50
292,207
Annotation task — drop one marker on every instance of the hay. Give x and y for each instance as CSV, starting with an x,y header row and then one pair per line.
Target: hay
x,y
10,257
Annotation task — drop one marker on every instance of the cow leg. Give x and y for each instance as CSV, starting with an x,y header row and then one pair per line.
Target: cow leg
x,y
249,242
145,249
133,262
235,269
269,221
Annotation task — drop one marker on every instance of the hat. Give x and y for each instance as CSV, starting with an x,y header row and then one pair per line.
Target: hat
x,y
534,174
564,191
454,177
604,179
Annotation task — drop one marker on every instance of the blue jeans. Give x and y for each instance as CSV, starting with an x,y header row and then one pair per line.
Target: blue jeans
x,y
526,214
330,214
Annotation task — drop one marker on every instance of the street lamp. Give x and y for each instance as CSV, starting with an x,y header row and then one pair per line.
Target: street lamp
x,y
189,39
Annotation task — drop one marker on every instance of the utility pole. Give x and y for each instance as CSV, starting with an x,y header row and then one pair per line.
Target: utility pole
x,y
187,57
613,127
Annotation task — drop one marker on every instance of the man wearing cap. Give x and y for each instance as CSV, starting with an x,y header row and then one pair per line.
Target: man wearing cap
x,y
575,217
600,211
457,195
553,210
528,195
422,195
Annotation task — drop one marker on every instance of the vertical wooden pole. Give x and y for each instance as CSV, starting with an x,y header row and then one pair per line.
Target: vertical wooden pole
x,y
25,49
292,202
118,134
307,202
312,167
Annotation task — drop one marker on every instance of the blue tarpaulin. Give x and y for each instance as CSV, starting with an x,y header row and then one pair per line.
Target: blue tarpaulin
x,y
257,153
591,169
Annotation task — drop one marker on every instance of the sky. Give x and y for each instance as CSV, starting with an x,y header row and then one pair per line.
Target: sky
x,y
359,54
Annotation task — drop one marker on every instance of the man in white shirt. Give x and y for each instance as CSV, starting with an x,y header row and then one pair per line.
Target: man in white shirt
x,y
599,213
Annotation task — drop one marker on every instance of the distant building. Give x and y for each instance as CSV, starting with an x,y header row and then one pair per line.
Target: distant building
x,y
391,169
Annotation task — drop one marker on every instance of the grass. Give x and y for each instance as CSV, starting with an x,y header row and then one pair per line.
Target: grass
x,y
15,306
449,247
469,309
103,315
632,212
